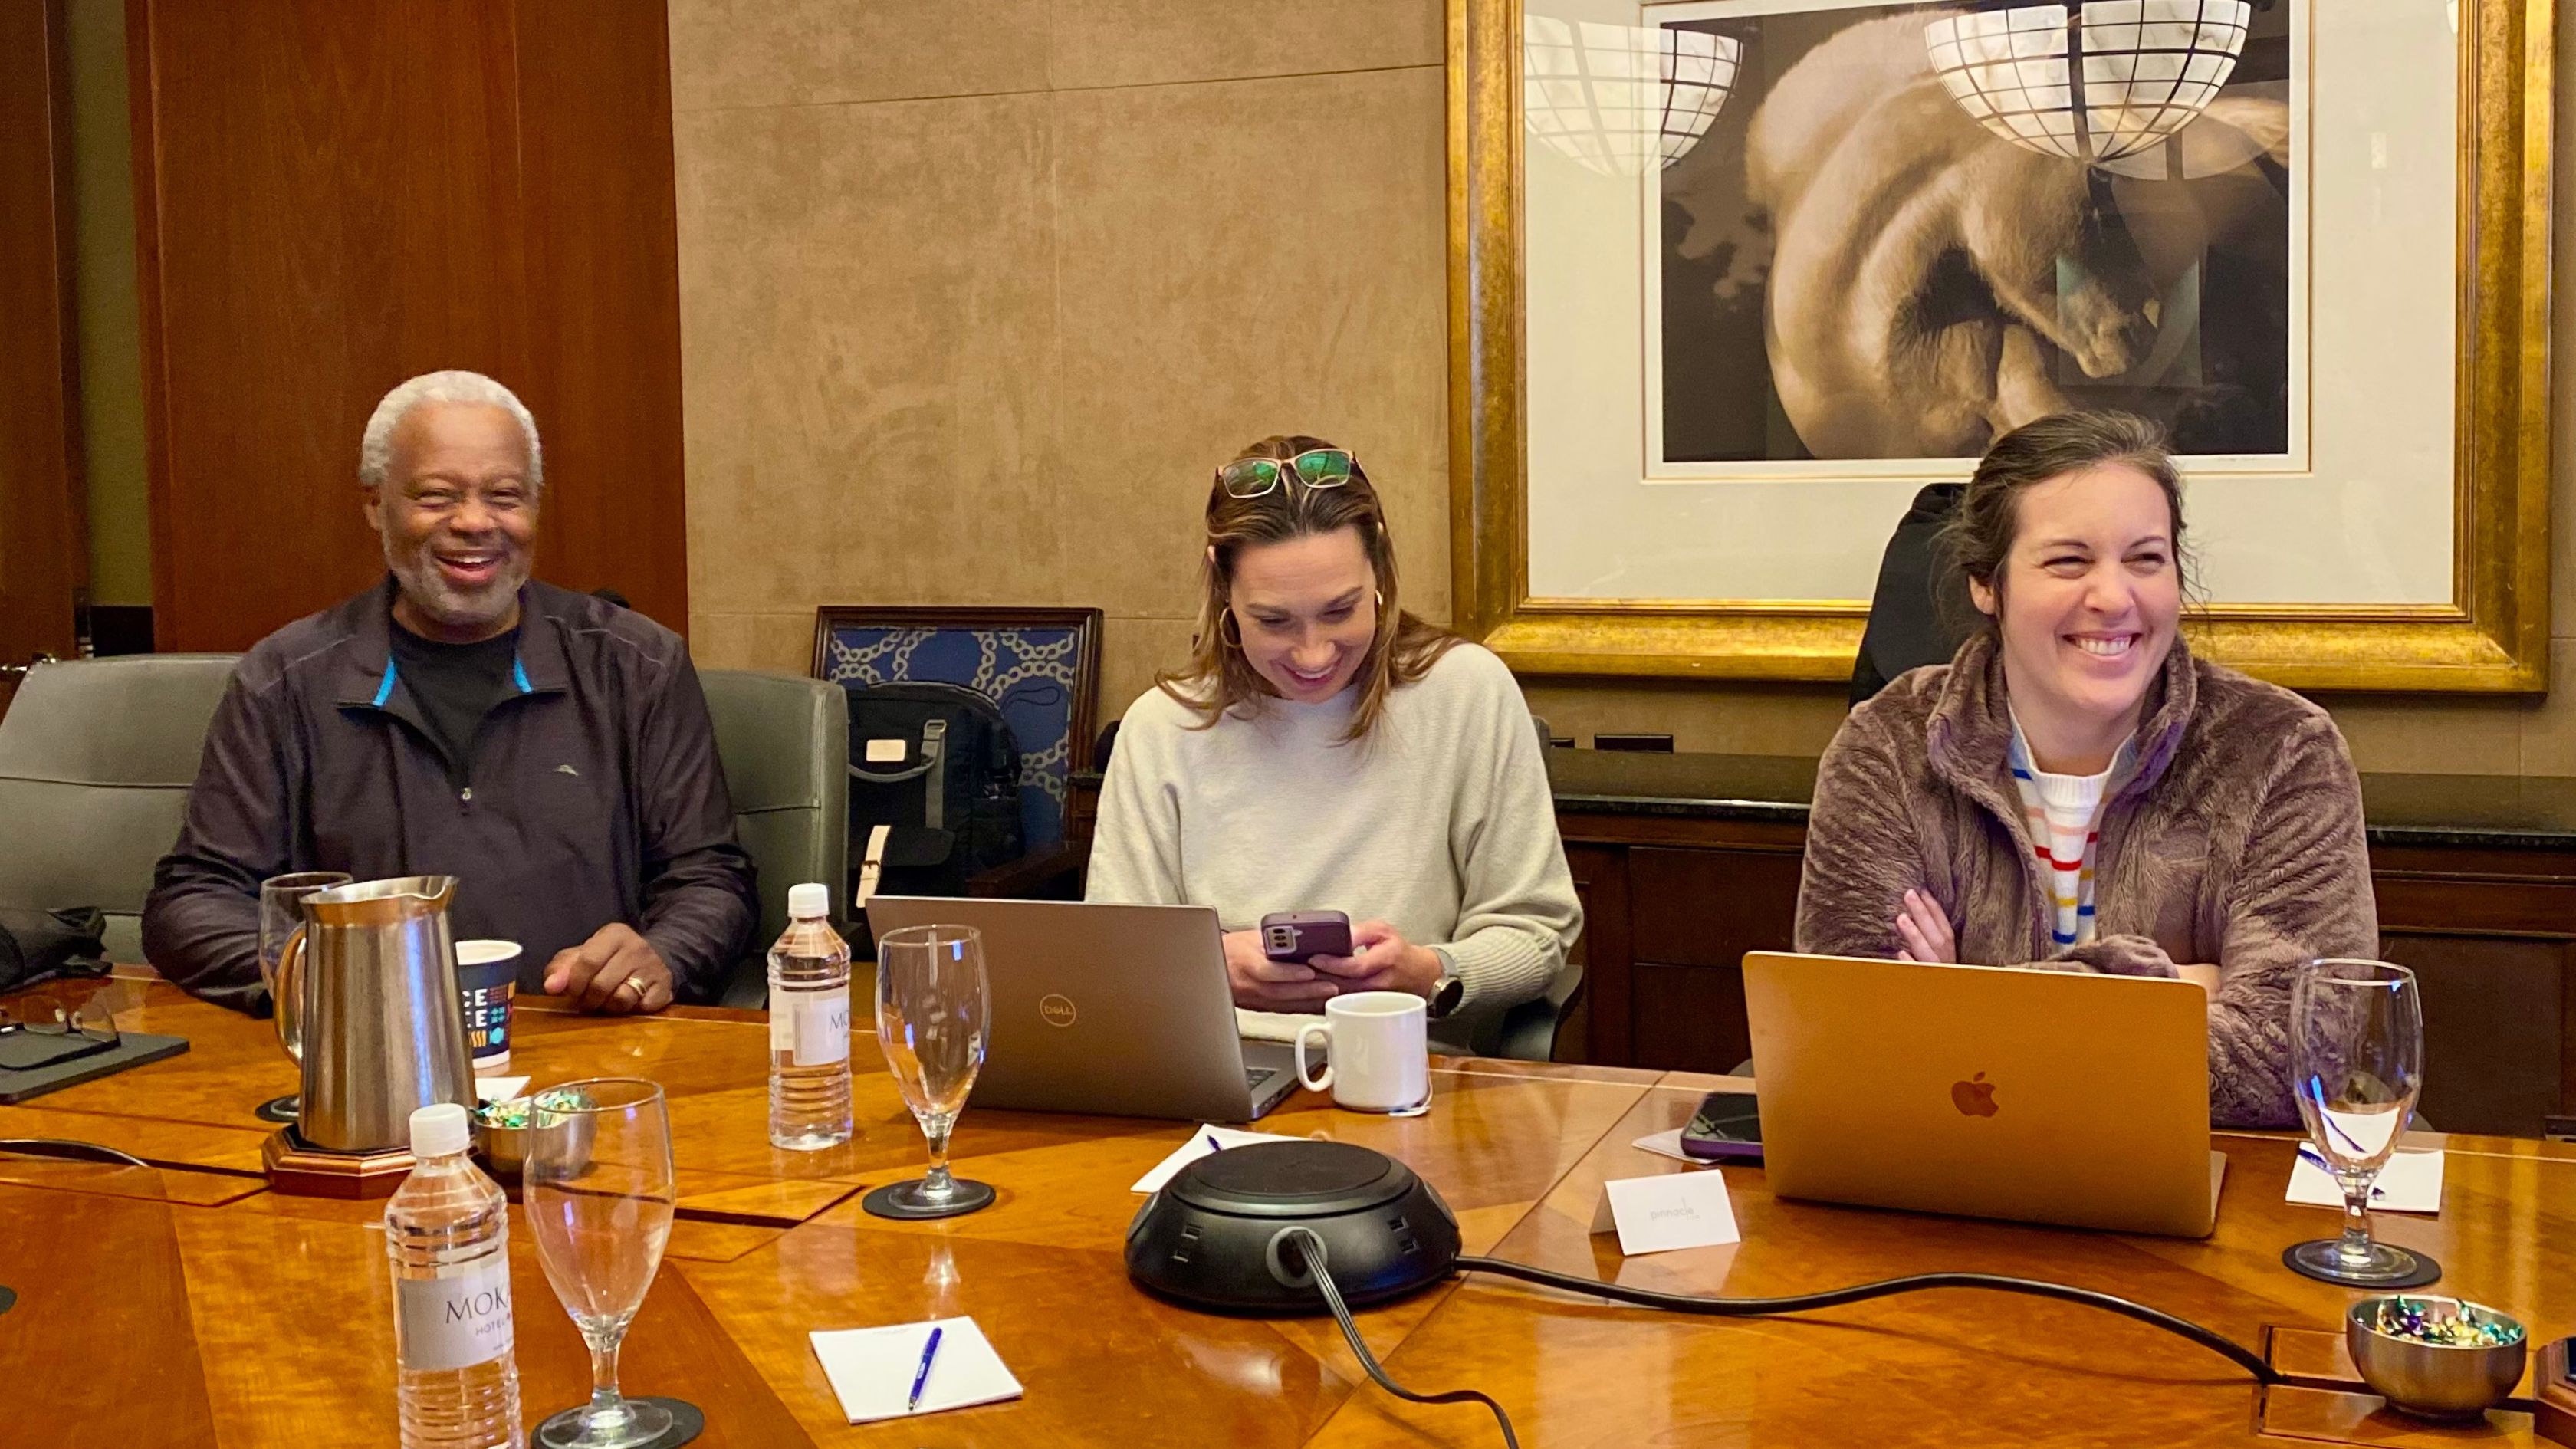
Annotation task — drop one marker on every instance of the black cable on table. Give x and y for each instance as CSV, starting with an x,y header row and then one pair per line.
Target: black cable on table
x,y
1313,1253
2242,1356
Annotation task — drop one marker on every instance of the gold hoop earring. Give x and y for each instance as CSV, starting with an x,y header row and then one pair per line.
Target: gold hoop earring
x,y
1235,642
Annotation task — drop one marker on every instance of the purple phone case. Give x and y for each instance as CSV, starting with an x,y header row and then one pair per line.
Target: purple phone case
x,y
1296,935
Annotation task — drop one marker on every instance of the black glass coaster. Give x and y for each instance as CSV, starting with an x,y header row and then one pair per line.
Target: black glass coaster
x,y
278,1109
687,1423
2425,1271
893,1201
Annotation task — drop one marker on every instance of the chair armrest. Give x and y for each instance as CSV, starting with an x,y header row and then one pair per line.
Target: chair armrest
x,y
1032,875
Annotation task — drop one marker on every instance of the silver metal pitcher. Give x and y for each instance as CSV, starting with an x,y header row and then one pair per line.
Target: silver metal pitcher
x,y
368,985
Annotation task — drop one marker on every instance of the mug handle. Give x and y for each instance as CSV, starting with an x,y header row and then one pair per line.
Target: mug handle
x,y
1315,1084
289,991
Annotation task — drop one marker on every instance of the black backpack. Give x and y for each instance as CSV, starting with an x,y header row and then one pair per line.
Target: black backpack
x,y
935,766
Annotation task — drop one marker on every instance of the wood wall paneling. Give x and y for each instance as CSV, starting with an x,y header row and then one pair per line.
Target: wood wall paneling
x,y
603,247
329,202
42,560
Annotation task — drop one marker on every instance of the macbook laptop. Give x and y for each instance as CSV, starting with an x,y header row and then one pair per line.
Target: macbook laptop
x,y
1123,1011
2043,1096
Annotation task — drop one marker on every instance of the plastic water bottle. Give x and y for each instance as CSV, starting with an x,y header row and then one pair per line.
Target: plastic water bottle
x,y
447,1232
809,1027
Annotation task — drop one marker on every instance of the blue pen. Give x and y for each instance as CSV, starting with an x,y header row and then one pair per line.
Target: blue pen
x,y
921,1375
2312,1155
1213,1144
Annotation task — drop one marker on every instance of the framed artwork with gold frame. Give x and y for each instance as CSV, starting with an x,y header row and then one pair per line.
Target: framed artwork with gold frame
x,y
1638,490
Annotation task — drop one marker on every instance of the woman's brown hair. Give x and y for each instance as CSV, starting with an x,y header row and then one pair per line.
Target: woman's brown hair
x,y
1219,678
1979,536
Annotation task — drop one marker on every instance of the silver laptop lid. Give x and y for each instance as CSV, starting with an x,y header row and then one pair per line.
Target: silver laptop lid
x,y
1109,1009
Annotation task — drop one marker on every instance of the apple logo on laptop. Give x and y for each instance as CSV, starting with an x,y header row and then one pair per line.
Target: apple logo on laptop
x,y
1975,1098
1057,1010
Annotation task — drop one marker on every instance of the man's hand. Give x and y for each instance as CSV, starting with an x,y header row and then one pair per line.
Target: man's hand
x,y
1381,960
1261,984
616,971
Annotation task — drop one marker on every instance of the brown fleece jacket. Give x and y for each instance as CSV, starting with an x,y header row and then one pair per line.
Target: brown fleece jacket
x,y
2235,838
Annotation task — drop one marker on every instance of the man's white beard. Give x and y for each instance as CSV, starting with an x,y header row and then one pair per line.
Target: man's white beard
x,y
417,574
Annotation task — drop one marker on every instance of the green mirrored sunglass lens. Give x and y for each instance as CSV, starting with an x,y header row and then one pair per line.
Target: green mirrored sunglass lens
x,y
1324,467
1251,477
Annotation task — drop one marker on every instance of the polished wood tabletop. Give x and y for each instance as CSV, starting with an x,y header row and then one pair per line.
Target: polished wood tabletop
x,y
185,1304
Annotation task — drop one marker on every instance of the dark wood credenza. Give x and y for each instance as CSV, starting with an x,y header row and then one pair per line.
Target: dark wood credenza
x,y
1687,862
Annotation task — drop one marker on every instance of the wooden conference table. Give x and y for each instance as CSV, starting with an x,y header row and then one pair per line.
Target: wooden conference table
x,y
185,1304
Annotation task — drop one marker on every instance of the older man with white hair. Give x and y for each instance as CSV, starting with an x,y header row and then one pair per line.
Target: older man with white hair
x,y
550,749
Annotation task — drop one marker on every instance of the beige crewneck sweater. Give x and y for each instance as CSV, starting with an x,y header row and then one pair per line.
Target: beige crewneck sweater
x,y
1441,823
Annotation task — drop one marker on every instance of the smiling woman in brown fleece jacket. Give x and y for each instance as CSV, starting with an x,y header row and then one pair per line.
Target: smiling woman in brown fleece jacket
x,y
2075,792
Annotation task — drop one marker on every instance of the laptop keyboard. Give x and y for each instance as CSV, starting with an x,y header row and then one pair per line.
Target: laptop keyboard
x,y
1258,1077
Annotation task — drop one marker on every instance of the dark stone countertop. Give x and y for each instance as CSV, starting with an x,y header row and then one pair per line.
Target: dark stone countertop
x,y
2459,812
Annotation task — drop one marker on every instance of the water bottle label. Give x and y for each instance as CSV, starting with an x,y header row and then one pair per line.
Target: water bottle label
x,y
822,1027
456,1322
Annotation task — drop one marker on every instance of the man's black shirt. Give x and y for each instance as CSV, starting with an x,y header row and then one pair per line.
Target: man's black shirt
x,y
456,685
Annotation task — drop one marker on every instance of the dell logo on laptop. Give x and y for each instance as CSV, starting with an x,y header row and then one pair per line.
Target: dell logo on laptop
x,y
1055,1010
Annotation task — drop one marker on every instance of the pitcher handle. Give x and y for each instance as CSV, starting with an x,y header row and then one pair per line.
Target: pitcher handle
x,y
289,994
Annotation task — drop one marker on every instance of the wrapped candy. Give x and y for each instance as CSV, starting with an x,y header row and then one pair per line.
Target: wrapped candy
x,y
2441,1321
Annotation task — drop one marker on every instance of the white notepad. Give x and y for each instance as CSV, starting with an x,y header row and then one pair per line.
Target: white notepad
x,y
871,1369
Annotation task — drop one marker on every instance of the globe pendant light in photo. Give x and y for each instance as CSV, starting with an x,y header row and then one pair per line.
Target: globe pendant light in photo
x,y
2092,82
1622,100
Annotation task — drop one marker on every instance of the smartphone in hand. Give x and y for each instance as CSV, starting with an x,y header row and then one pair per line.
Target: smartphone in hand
x,y
1294,936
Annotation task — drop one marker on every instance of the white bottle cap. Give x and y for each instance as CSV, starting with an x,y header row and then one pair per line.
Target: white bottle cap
x,y
440,1129
811,901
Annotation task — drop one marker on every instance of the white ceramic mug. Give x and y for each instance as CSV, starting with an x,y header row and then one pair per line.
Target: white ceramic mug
x,y
1380,1055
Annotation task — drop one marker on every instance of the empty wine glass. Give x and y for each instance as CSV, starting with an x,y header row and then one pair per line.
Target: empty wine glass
x,y
932,1011
597,1183
281,913
2356,1063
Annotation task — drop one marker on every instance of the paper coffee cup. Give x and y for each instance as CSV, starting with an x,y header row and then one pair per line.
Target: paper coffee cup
x,y
487,980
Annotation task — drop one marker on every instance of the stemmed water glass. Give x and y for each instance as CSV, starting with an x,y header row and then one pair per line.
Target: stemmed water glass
x,y
598,1189
2356,1064
933,1007
281,912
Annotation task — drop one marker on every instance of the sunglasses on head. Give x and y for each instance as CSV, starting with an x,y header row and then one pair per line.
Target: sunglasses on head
x,y
1316,468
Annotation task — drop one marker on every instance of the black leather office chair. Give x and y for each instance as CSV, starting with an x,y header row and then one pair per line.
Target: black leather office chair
x,y
1920,612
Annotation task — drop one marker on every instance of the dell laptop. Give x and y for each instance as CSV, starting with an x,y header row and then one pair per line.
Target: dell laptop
x,y
1122,1011
2042,1096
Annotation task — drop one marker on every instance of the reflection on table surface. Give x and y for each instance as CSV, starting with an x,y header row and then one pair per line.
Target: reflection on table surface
x,y
182,1303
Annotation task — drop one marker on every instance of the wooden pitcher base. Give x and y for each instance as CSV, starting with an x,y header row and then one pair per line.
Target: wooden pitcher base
x,y
2554,1392
297,1167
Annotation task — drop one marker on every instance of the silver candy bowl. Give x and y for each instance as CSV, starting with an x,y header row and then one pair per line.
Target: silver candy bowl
x,y
2418,1375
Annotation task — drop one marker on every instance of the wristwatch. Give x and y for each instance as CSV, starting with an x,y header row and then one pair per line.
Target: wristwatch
x,y
1446,994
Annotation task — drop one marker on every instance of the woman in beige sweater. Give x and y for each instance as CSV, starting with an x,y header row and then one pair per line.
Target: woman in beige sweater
x,y
2074,791
1327,751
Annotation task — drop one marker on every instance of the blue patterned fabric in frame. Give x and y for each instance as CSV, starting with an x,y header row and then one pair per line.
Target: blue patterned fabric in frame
x,y
1030,672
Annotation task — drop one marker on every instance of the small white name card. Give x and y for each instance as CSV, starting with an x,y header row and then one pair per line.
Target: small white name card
x,y
2410,1183
1659,1214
